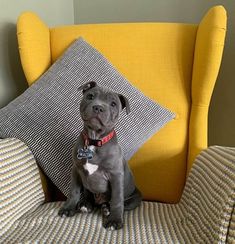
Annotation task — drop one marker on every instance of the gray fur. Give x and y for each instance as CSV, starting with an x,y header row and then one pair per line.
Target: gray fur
x,y
113,181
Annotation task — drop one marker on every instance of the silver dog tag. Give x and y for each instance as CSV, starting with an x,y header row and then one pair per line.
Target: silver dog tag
x,y
84,153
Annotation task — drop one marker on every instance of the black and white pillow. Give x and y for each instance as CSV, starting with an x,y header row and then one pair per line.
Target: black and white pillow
x,y
46,116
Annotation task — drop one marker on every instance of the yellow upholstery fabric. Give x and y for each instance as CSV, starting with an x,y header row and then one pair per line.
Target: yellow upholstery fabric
x,y
160,59
34,46
207,59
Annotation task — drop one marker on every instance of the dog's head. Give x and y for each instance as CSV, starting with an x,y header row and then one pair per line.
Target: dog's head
x,y
100,107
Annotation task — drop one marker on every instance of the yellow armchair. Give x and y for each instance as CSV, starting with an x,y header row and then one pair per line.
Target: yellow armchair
x,y
174,64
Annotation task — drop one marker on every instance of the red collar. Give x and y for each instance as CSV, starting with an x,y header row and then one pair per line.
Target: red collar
x,y
98,143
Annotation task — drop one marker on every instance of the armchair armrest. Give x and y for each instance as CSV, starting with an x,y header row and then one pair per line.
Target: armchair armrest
x,y
209,195
20,189
231,231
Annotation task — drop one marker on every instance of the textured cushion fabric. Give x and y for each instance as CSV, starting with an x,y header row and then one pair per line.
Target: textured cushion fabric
x,y
20,184
46,117
158,59
202,216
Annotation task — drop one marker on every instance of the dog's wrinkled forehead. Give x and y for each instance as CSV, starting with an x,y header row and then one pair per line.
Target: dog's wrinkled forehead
x,y
103,92
104,95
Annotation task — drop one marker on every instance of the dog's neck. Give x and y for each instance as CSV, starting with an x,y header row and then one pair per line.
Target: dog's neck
x,y
96,134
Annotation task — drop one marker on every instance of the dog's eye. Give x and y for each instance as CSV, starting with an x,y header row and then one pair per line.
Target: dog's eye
x,y
90,96
113,104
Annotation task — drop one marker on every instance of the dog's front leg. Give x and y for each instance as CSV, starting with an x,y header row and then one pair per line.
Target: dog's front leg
x,y
115,220
86,205
69,207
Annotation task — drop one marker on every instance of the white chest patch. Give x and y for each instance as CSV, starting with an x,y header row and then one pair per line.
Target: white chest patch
x,y
91,168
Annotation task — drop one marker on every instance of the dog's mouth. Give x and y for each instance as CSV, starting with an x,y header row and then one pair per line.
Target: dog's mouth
x,y
94,120
94,123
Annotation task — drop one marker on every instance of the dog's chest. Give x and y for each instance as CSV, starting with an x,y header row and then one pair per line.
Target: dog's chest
x,y
94,178
89,167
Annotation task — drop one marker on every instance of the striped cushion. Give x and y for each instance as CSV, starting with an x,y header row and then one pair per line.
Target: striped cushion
x,y
202,216
46,117
231,232
20,184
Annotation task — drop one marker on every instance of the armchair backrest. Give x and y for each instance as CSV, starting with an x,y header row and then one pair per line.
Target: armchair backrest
x,y
174,64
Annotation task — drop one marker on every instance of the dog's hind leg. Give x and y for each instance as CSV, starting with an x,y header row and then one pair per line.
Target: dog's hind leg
x,y
133,200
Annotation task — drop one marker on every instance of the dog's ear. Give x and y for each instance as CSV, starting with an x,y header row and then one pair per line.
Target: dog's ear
x,y
87,86
125,103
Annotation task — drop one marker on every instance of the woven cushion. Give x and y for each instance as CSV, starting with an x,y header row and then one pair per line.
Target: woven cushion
x,y
46,117
20,184
202,216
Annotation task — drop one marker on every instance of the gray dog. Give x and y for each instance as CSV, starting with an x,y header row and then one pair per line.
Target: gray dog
x,y
99,169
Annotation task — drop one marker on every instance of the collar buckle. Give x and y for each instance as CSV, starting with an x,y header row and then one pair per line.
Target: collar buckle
x,y
99,143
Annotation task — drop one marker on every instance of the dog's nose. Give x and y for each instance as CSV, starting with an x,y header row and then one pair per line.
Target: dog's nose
x,y
98,109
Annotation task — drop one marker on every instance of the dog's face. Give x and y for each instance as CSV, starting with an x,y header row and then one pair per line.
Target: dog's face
x,y
100,108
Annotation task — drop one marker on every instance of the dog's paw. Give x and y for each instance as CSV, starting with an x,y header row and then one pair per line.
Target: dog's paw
x,y
67,212
105,209
85,207
112,223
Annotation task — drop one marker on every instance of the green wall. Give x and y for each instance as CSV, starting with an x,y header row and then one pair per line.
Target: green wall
x,y
222,109
53,12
